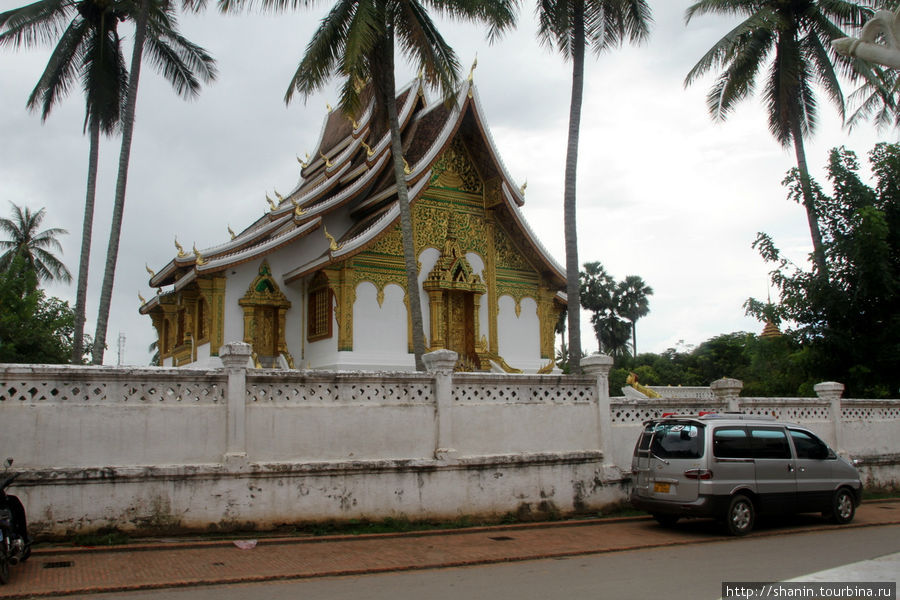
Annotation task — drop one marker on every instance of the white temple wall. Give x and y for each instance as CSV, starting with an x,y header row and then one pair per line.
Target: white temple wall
x,y
427,258
519,338
152,449
380,333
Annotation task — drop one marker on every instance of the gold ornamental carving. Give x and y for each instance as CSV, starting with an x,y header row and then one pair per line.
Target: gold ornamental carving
x,y
265,308
454,170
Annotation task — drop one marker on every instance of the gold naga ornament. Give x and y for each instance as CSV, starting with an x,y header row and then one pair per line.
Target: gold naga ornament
x,y
369,150
297,210
303,163
141,298
181,253
200,260
272,205
149,270
332,243
233,235
328,164
406,168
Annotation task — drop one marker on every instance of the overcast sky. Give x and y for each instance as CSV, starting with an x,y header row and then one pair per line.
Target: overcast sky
x,y
663,191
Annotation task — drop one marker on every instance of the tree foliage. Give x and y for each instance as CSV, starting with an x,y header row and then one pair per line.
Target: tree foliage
x,y
848,326
33,327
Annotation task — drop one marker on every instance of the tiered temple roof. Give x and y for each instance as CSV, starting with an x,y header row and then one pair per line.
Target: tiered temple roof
x,y
352,172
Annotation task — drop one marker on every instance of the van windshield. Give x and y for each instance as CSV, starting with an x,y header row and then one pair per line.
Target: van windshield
x,y
672,439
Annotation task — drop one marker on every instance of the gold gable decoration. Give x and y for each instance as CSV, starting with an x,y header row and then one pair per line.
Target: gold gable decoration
x,y
454,170
265,308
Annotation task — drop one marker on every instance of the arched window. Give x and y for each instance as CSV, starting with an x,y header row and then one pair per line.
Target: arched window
x,y
319,309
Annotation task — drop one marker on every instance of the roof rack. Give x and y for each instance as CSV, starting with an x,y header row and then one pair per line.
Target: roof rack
x,y
714,415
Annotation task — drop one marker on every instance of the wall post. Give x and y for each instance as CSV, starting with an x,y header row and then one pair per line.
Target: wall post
x,y
441,363
727,392
598,366
832,391
235,356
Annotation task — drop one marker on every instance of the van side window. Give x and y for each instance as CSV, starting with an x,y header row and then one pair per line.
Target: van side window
x,y
731,442
808,445
769,442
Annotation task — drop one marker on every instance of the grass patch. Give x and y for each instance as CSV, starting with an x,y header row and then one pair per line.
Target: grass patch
x,y
880,493
104,537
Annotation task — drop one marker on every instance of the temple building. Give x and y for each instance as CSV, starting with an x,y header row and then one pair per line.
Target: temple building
x,y
318,281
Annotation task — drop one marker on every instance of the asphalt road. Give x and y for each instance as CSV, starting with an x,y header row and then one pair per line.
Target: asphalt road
x,y
693,571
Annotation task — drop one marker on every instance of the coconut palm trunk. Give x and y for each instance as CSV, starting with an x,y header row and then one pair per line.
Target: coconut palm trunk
x,y
808,200
86,237
573,286
386,90
112,251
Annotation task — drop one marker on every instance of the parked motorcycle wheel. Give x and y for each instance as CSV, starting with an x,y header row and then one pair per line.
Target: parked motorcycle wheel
x,y
4,561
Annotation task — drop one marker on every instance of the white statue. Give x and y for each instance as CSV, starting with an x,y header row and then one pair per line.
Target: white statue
x,y
879,41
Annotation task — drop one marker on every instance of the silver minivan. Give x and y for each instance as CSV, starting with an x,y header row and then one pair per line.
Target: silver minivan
x,y
733,467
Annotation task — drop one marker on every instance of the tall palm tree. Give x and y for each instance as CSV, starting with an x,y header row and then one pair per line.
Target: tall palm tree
x,y
356,43
571,26
35,247
633,303
794,39
181,62
88,50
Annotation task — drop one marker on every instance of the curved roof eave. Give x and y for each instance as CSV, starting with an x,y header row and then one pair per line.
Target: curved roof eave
x,y
360,242
266,247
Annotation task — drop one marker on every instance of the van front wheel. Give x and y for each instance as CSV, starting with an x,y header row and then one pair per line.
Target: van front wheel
x,y
740,516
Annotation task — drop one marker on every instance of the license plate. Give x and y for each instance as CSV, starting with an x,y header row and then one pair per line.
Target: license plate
x,y
661,488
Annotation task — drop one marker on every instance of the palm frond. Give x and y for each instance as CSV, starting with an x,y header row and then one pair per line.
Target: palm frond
x,y
757,28
61,70
39,23
323,54
420,40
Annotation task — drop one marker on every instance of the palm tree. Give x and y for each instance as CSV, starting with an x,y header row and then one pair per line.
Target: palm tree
x,y
633,303
180,62
795,39
90,51
572,25
355,42
32,246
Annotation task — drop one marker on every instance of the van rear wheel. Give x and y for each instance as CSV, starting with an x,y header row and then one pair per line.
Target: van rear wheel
x,y
741,515
666,520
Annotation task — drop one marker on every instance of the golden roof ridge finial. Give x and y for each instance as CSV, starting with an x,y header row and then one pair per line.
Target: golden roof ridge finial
x,y
303,163
297,210
353,122
181,253
233,235
330,109
272,205
149,270
406,168
277,195
200,260
328,164
332,243
523,188
472,70
141,298
369,150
